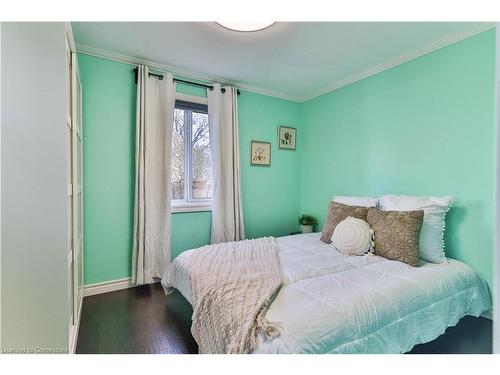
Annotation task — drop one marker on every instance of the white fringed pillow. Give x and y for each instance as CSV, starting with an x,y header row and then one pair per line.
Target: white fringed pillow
x,y
352,237
356,201
431,242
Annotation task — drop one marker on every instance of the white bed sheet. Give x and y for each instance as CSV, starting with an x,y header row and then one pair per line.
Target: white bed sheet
x,y
333,303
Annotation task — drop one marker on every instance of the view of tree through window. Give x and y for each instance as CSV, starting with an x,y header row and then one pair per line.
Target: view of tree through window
x,y
201,169
191,167
178,155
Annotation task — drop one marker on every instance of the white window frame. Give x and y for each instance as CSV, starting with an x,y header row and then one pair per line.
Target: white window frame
x,y
189,204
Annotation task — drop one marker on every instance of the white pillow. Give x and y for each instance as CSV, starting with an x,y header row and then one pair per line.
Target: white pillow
x,y
352,236
356,201
431,241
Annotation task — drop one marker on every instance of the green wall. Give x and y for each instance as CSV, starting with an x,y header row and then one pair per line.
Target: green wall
x,y
108,167
270,194
426,127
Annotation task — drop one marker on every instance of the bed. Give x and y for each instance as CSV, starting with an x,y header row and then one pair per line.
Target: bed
x,y
333,303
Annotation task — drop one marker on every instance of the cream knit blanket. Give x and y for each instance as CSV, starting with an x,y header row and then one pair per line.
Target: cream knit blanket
x,y
232,286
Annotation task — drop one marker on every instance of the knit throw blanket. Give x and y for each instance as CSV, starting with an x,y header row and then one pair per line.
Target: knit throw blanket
x,y
232,285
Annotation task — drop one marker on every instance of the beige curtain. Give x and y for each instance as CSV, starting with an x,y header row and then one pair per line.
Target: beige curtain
x,y
155,106
227,210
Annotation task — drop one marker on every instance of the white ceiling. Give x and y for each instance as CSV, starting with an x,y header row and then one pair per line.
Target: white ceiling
x,y
296,60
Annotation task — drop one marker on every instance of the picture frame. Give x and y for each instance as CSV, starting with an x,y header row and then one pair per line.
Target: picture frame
x,y
287,137
260,153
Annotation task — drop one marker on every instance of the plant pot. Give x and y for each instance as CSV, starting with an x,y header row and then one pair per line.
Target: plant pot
x,y
306,228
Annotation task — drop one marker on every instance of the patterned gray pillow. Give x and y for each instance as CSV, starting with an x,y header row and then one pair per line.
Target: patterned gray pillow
x,y
338,212
396,234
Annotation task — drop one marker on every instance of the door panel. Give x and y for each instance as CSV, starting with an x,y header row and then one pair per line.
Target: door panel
x,y
69,174
77,179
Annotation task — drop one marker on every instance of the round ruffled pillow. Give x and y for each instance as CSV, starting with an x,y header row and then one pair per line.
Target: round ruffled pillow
x,y
352,237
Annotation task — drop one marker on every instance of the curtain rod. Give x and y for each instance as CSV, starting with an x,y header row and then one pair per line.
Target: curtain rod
x,y
160,77
210,87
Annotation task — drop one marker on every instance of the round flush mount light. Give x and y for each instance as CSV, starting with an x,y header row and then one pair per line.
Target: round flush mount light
x,y
246,26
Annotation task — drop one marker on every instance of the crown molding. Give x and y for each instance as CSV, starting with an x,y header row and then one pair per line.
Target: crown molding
x,y
91,51
441,43
431,47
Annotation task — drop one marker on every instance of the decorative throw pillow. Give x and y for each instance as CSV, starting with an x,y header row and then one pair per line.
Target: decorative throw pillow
x,y
396,234
352,236
356,201
338,212
432,233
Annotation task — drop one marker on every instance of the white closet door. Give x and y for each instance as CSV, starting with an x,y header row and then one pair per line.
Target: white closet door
x,y
69,137
77,151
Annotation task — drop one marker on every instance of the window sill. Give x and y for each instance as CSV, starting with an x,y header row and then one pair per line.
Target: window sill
x,y
191,207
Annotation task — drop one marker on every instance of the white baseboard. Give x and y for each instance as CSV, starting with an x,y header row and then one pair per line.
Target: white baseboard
x,y
488,314
108,286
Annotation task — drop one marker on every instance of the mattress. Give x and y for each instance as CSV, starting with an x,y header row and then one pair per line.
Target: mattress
x,y
334,303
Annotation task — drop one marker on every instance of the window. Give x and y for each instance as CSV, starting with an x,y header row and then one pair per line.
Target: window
x,y
191,166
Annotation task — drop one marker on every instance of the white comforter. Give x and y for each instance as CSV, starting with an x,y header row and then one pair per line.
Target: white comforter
x,y
332,303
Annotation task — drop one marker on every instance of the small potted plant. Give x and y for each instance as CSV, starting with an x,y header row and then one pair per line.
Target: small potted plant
x,y
307,223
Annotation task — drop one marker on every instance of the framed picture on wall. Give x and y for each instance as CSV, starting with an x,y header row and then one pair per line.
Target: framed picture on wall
x,y
260,153
287,137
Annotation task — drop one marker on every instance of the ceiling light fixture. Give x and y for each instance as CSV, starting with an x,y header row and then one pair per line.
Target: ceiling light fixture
x,y
246,26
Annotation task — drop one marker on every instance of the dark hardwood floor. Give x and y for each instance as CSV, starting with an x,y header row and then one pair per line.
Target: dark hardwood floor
x,y
470,336
145,320
137,320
